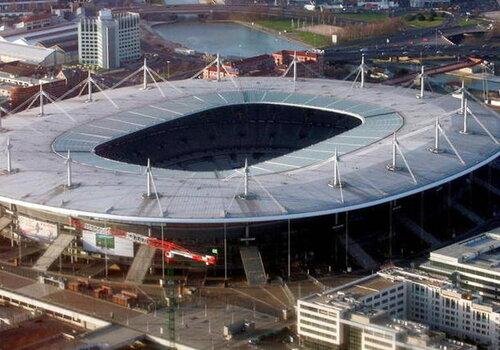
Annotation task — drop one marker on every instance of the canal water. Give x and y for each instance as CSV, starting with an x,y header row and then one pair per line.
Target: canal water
x,y
229,39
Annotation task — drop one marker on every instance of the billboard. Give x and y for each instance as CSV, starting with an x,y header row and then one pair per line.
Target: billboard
x,y
107,244
37,230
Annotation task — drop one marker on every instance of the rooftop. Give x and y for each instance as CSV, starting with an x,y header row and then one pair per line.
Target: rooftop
x,y
294,185
481,251
348,296
25,52
419,334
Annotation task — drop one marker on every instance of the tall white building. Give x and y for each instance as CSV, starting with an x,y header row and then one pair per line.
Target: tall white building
x,y
473,263
398,309
109,40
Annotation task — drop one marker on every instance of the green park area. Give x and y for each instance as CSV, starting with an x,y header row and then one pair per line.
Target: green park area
x,y
466,22
284,26
424,20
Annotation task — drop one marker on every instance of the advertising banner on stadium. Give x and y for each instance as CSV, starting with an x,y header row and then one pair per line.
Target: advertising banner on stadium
x,y
37,230
107,244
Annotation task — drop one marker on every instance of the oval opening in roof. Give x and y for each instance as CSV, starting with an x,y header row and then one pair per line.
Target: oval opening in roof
x,y
222,138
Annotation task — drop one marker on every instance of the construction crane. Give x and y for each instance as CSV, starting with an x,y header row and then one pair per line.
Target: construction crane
x,y
169,249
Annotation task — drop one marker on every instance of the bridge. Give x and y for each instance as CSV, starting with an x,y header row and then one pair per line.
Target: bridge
x,y
157,13
469,62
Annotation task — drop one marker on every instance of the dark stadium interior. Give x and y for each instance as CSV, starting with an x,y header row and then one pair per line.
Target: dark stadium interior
x,y
222,138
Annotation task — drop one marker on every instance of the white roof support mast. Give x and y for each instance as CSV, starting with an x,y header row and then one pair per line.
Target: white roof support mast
x,y
393,166
422,82
218,66
8,147
246,171
149,181
438,130
40,96
362,69
336,182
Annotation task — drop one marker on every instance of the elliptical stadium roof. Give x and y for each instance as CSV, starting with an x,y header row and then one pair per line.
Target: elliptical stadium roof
x,y
294,185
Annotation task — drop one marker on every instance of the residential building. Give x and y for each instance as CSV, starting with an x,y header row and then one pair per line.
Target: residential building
x,y
110,40
246,66
284,57
31,22
473,263
20,81
398,309
24,7
429,3
377,4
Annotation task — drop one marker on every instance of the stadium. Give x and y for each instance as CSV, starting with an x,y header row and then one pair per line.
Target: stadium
x,y
196,156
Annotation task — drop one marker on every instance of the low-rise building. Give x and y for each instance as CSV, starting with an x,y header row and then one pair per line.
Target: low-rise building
x,y
20,81
398,309
473,263
247,66
429,3
285,57
30,54
24,7
31,22
377,4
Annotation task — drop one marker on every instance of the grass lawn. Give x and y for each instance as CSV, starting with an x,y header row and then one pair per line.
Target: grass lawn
x,y
279,25
426,23
367,17
282,25
316,40
463,22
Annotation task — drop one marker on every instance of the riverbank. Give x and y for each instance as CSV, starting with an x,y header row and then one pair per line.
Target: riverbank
x,y
261,28
230,38
283,28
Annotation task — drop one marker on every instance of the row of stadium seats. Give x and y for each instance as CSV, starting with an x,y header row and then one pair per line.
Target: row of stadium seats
x,y
258,131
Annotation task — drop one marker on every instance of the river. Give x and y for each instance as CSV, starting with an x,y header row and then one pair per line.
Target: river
x,y
228,39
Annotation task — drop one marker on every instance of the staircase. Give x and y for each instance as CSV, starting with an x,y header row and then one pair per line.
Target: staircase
x,y
253,265
53,252
141,264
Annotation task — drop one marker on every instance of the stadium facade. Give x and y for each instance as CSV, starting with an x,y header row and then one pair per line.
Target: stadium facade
x,y
204,154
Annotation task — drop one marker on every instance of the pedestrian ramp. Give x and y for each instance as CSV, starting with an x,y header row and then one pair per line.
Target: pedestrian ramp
x,y
419,231
54,250
141,264
253,265
469,214
4,222
359,254
111,337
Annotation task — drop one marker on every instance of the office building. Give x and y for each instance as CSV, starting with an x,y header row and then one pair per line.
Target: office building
x,y
110,40
473,263
398,309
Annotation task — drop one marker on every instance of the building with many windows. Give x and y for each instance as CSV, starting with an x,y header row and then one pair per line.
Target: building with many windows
x,y
398,309
473,263
429,3
110,40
